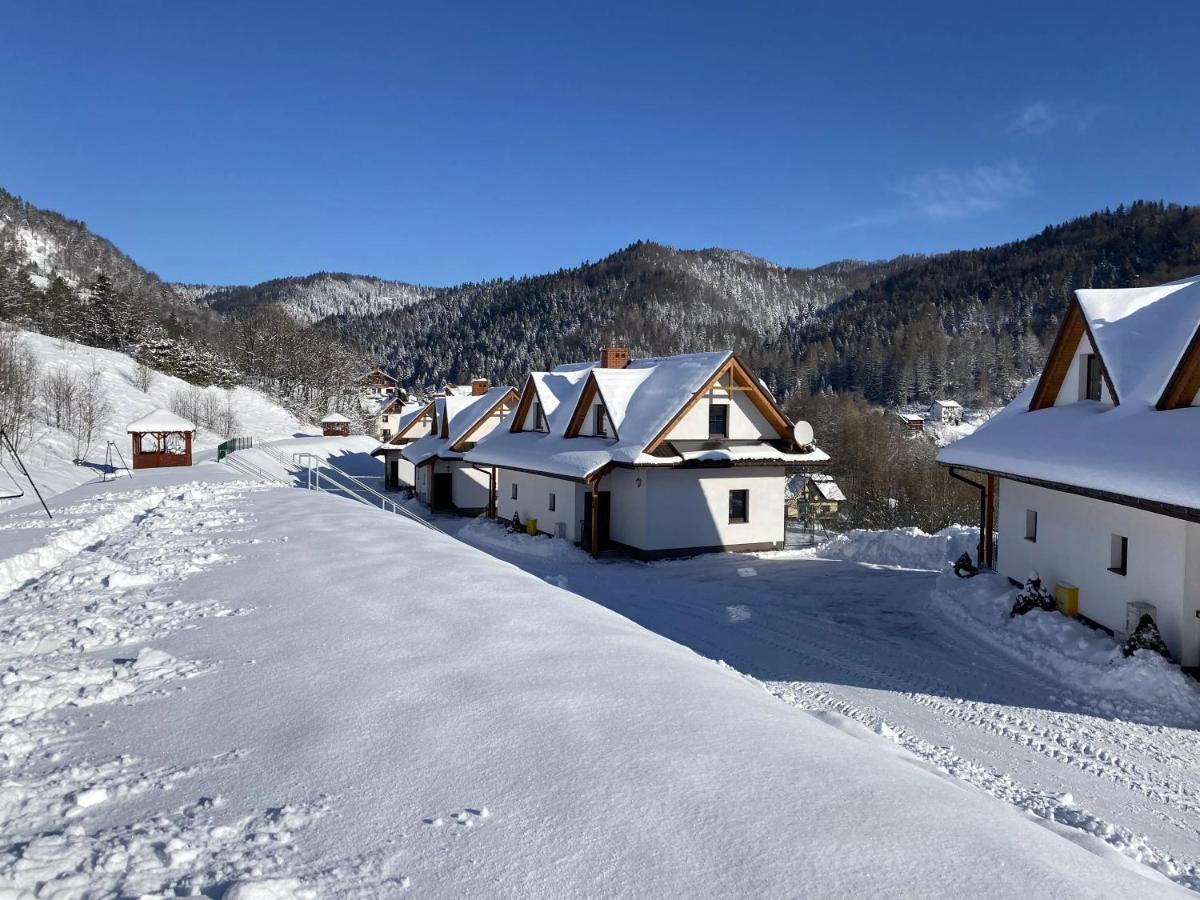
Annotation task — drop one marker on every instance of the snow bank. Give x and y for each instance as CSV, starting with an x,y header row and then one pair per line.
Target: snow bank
x,y
906,548
486,533
1141,688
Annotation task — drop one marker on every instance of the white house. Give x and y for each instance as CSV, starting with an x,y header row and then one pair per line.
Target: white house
x,y
1096,466
441,477
658,457
945,412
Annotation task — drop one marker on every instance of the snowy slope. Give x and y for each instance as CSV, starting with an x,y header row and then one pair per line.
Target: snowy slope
x,y
50,456
312,297
234,682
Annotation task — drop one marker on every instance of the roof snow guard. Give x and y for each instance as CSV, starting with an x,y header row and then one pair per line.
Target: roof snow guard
x,y
1139,451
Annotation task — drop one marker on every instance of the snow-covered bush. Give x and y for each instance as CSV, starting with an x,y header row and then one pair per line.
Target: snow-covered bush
x,y
1146,637
1033,596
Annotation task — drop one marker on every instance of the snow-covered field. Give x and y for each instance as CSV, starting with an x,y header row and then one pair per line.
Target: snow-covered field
x,y
51,455
211,683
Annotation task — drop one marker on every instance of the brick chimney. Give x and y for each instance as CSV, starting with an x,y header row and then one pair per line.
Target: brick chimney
x,y
614,357
479,386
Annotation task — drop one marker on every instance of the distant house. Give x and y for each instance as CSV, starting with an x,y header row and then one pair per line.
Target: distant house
x,y
656,457
816,492
414,423
1095,467
335,425
387,415
945,412
441,478
912,421
376,381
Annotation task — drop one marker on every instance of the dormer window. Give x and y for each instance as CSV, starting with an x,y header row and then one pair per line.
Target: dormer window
x,y
1091,387
600,426
539,417
718,421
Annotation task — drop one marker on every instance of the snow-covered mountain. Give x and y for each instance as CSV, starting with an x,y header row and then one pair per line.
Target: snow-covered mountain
x,y
310,298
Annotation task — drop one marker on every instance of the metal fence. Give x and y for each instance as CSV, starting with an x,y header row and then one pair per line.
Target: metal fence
x,y
238,443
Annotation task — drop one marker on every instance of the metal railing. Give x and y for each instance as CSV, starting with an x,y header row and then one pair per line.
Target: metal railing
x,y
243,465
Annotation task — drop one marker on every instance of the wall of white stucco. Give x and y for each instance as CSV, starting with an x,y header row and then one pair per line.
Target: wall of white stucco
x,y
1074,536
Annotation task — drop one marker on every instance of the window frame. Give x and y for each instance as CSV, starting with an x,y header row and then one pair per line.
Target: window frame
x,y
1031,525
745,504
1092,377
514,490
539,417
1118,554
553,502
599,420
724,432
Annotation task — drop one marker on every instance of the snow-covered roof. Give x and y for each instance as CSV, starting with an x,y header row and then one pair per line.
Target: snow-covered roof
x,y
334,418
1129,448
160,420
911,417
822,483
462,414
947,404
1142,333
641,400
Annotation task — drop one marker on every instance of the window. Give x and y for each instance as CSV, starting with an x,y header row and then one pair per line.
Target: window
x,y
739,506
514,490
1092,387
1030,525
718,420
539,417
551,505
1118,554
386,434
601,424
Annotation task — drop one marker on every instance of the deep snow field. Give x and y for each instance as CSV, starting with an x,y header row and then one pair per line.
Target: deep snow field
x,y
50,457
231,687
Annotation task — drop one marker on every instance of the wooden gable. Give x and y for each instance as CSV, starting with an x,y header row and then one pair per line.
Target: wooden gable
x,y
424,414
586,398
740,379
1184,384
504,402
528,395
1074,328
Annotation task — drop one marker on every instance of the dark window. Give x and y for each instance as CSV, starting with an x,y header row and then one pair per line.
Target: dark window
x,y
551,503
1119,555
514,490
601,426
739,506
386,434
1093,377
539,417
1030,525
718,420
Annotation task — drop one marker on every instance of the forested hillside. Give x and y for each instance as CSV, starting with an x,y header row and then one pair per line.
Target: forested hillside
x,y
976,324
60,279
309,298
657,299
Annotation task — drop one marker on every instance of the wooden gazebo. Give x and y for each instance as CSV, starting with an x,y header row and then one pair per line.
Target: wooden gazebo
x,y
161,439
335,425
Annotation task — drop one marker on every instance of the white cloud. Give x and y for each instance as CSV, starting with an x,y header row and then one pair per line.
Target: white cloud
x,y
949,194
1035,118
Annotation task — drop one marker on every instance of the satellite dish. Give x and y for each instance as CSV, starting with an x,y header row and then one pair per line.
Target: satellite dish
x,y
802,433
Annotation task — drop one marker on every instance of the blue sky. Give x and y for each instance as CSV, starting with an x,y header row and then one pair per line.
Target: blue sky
x,y
438,143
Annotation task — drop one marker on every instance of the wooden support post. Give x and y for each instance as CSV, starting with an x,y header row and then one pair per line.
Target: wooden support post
x,y
989,522
596,519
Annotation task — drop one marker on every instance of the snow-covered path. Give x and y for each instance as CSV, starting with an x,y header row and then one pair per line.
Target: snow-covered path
x,y
870,643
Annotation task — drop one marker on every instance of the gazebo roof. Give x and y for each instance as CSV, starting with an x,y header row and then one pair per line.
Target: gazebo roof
x,y
158,421
334,417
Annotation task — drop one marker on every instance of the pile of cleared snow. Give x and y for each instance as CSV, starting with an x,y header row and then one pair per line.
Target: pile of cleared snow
x,y
905,548
50,456
1141,688
488,534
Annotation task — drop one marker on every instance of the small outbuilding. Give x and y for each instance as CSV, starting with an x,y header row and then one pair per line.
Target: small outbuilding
x,y
161,439
335,425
